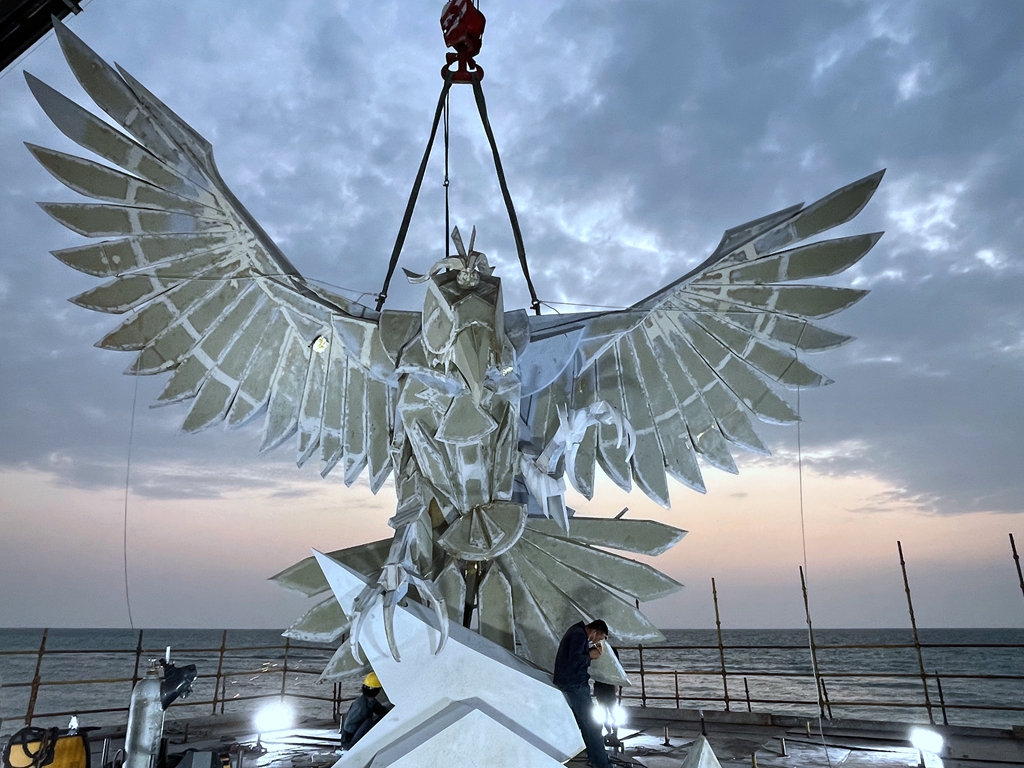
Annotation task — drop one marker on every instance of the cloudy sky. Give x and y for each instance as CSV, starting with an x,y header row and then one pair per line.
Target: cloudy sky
x,y
632,134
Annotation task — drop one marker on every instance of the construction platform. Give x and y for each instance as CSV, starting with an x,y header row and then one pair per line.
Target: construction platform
x,y
654,738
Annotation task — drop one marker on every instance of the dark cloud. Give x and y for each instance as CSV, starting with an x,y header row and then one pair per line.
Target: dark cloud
x,y
632,135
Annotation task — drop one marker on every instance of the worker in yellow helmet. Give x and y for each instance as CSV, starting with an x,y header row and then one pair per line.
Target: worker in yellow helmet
x,y
364,712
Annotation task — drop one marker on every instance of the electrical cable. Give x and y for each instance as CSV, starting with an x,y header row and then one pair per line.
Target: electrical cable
x,y
739,310
575,304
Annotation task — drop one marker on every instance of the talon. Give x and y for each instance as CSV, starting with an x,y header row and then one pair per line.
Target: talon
x,y
389,624
442,620
429,590
361,607
356,650
398,573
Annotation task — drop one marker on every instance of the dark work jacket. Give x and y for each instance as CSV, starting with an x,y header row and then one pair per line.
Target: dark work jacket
x,y
572,662
362,709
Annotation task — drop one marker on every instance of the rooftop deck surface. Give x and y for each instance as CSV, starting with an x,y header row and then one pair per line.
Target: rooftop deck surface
x,y
738,739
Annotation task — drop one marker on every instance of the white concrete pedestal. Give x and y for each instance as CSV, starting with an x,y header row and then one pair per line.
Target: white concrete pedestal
x,y
473,704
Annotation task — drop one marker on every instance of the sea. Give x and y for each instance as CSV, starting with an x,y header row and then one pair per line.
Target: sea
x,y
867,673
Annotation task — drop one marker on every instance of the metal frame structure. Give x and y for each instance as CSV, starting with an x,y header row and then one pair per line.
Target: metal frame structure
x,y
24,22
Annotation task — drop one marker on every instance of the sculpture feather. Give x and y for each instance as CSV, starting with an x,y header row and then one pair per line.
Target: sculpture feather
x,y
212,299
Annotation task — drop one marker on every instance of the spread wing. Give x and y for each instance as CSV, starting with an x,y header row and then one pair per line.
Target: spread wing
x,y
208,296
693,365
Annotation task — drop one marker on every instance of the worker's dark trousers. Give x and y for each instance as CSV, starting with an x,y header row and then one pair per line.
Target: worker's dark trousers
x,y
582,707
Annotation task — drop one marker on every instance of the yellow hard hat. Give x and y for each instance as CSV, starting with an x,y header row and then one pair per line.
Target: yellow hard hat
x,y
371,681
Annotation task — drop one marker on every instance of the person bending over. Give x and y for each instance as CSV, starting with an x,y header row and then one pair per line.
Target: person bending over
x,y
364,713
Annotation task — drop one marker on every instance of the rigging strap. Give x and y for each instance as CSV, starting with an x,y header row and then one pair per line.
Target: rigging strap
x,y
403,230
478,92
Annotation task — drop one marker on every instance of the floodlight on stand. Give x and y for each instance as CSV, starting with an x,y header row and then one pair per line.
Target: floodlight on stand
x,y
619,715
611,716
606,706
275,716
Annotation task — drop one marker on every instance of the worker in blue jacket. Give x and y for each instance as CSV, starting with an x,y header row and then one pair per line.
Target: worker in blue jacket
x,y
364,712
580,645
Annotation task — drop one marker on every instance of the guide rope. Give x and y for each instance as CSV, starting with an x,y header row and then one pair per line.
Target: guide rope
x,y
447,185
127,480
800,470
805,575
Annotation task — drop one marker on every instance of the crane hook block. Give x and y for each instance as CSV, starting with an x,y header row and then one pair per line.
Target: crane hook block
x,y
462,24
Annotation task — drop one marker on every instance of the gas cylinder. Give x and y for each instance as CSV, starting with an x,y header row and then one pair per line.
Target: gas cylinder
x,y
145,721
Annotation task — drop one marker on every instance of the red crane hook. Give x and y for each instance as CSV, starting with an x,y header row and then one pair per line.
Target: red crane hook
x,y
462,24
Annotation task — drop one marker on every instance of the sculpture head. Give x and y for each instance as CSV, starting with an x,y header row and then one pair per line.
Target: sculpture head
x,y
463,313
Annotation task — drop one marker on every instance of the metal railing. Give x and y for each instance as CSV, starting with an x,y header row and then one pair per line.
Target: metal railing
x,y
658,684
924,680
712,686
724,678
219,700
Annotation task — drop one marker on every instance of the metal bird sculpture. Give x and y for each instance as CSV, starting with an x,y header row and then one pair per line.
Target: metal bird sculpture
x,y
478,413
